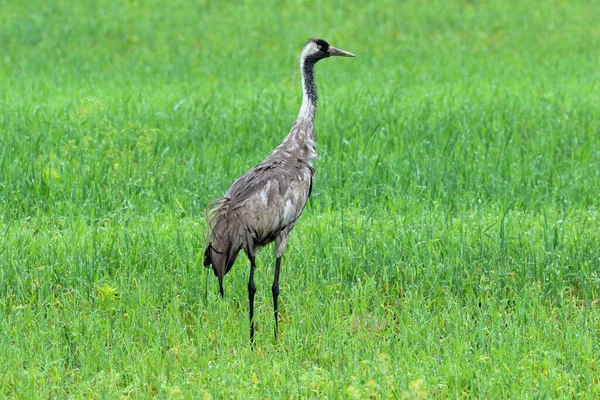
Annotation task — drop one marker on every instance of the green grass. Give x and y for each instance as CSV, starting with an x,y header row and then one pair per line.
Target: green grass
x,y
450,249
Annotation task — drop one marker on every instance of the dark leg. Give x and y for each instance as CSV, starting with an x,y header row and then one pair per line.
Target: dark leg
x,y
251,291
275,290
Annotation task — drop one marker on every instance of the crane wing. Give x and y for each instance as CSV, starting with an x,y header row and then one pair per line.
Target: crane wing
x,y
269,198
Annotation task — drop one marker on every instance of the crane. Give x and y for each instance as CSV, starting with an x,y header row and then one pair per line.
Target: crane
x,y
263,204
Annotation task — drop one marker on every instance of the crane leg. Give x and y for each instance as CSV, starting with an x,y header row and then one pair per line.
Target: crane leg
x,y
251,292
275,290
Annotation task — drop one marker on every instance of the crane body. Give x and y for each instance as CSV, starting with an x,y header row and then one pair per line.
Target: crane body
x,y
263,204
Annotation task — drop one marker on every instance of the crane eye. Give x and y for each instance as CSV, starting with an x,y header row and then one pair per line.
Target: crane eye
x,y
319,46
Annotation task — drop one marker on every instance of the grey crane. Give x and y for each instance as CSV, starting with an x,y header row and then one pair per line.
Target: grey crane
x,y
263,205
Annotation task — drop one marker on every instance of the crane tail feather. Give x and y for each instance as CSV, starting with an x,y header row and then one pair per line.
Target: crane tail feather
x,y
221,287
225,241
221,262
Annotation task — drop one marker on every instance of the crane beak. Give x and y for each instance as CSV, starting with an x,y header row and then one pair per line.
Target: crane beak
x,y
337,52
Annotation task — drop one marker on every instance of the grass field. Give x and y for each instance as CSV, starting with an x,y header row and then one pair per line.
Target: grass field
x,y
451,247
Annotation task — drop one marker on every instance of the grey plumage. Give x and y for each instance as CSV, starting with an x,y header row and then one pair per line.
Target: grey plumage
x,y
263,205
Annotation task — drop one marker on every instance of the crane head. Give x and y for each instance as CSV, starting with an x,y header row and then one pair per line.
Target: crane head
x,y
317,49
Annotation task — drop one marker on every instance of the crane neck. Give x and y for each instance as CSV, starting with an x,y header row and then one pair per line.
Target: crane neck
x,y
299,144
309,90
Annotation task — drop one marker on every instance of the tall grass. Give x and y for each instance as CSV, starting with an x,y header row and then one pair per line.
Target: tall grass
x,y
450,248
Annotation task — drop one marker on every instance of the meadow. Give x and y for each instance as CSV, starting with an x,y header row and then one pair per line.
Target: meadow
x,y
451,248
